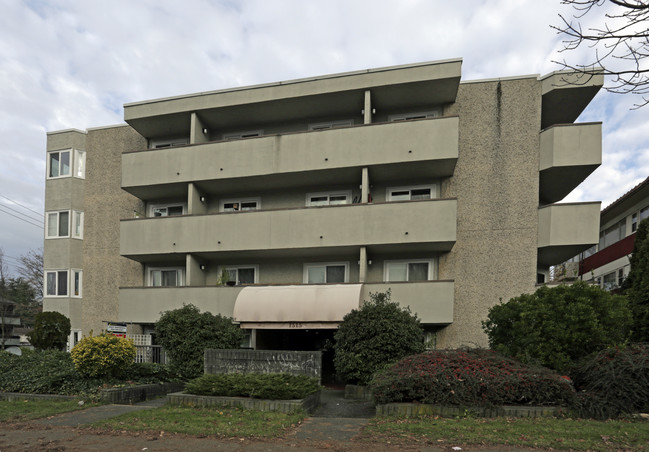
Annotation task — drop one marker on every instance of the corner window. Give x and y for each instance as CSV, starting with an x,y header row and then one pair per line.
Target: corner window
x,y
76,283
328,198
240,205
57,224
56,283
166,277
79,164
409,270
336,272
411,193
58,163
242,275
77,224
167,210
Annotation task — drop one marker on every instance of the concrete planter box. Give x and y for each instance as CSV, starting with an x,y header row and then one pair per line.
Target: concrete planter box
x,y
139,393
358,392
420,409
308,404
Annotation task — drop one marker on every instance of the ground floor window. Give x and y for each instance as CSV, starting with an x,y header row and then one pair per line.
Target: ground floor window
x,y
242,275
336,272
409,270
166,277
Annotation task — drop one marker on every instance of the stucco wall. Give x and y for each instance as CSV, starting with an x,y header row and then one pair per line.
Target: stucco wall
x,y
106,203
496,185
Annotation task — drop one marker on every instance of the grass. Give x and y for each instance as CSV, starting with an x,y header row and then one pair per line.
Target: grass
x,y
26,410
228,422
555,433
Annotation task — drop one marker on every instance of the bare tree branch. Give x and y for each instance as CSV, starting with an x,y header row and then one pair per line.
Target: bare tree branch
x,y
31,269
620,45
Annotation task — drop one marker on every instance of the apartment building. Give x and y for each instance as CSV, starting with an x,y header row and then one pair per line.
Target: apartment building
x,y
285,205
607,263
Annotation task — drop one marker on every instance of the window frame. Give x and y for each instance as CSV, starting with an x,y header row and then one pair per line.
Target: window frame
x,y
410,188
79,159
166,205
168,142
329,194
73,273
58,216
243,135
74,215
70,163
238,267
432,268
328,125
307,266
180,275
56,281
239,201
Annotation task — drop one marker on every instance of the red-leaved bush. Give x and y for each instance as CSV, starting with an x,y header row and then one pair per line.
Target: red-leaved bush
x,y
469,377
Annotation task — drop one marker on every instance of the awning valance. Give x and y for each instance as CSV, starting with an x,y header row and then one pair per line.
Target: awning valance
x,y
301,307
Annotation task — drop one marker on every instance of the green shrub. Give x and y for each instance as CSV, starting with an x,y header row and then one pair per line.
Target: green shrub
x,y
373,336
555,327
469,378
42,372
613,382
260,386
147,373
103,356
185,333
51,331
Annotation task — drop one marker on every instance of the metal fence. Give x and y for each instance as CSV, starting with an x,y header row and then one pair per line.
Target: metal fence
x,y
150,354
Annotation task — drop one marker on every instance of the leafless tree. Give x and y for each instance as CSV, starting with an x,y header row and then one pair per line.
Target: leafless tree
x,y
31,269
620,43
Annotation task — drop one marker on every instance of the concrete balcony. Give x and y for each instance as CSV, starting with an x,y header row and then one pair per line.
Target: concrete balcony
x,y
428,225
413,149
566,230
431,300
569,153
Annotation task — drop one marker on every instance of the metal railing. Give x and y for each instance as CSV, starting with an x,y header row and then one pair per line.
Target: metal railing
x,y
150,354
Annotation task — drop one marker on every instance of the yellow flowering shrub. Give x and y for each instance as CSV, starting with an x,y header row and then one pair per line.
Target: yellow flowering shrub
x,y
104,355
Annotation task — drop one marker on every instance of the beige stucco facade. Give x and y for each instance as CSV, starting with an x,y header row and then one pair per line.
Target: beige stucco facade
x,y
398,178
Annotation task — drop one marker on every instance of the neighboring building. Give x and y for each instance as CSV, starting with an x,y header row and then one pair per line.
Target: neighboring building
x,y
607,263
9,322
311,194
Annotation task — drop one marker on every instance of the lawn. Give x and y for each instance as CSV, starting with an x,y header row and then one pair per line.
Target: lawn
x,y
555,433
228,422
25,410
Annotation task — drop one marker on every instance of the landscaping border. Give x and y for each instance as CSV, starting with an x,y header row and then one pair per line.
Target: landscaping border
x,y
129,395
19,396
308,404
422,409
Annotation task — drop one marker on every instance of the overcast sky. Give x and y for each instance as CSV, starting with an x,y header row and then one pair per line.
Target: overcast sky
x,y
74,63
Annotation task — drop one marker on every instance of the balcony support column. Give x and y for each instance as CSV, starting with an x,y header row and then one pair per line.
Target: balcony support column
x,y
365,186
362,270
194,276
196,135
367,110
194,204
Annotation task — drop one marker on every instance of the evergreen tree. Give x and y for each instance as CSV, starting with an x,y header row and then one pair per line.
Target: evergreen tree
x,y
637,284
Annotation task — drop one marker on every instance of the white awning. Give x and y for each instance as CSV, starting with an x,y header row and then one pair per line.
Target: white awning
x,y
296,307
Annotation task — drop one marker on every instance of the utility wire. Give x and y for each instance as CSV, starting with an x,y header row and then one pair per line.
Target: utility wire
x,y
21,219
26,215
40,214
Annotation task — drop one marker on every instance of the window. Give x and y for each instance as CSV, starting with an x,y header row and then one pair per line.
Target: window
x,y
620,277
410,270
240,205
167,210
336,272
328,198
242,135
420,115
76,283
644,213
56,283
168,142
612,234
57,224
330,125
609,281
634,222
77,224
58,164
243,274
411,193
166,277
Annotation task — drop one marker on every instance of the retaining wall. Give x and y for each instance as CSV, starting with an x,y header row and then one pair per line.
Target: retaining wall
x,y
308,404
139,393
420,409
